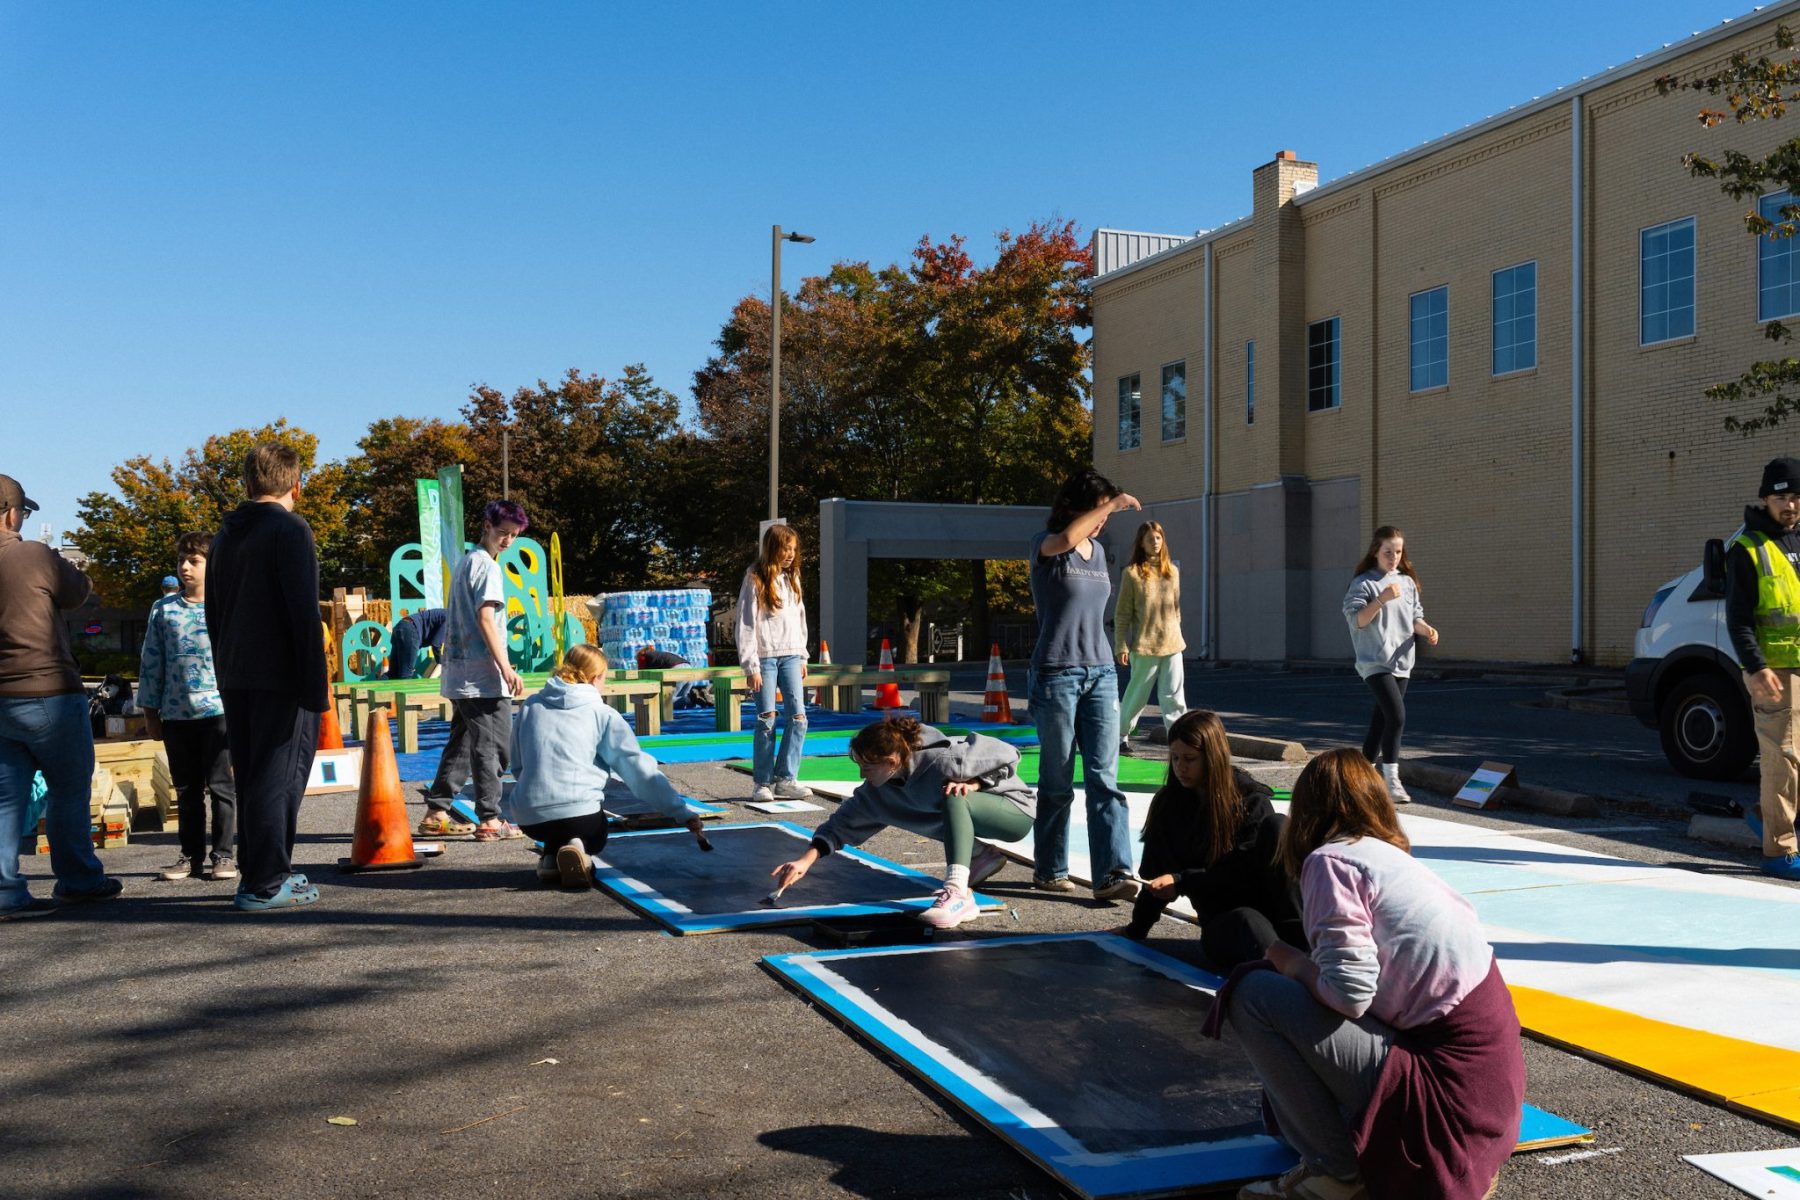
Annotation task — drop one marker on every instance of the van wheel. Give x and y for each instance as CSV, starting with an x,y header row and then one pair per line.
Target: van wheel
x,y
1706,729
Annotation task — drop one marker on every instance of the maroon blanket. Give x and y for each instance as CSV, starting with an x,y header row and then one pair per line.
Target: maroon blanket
x,y
1446,1109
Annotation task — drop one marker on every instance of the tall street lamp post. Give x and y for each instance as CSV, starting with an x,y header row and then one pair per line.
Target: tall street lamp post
x,y
776,237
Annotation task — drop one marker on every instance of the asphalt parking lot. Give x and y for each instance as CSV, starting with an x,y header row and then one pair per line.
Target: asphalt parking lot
x,y
492,1038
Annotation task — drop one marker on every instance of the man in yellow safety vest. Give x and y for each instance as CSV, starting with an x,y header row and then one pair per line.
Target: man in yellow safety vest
x,y
1762,616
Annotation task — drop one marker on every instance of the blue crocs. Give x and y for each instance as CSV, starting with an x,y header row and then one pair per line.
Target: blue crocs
x,y
294,892
1782,866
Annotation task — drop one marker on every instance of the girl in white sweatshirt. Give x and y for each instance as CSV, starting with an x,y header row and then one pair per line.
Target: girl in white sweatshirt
x,y
771,641
1386,619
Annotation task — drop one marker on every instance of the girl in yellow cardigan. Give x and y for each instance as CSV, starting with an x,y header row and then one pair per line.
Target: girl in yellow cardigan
x,y
1147,628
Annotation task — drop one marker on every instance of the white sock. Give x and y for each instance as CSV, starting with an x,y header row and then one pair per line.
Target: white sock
x,y
957,877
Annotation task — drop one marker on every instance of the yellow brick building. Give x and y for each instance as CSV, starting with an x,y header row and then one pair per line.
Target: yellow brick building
x,y
1497,341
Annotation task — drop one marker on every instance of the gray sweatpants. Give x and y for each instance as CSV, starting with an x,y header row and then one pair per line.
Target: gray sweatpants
x,y
1318,1067
480,736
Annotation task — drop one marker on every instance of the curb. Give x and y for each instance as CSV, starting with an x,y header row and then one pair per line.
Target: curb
x,y
1554,801
1244,745
1604,698
1724,831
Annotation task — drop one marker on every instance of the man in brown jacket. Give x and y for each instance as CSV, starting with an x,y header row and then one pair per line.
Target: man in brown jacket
x,y
43,717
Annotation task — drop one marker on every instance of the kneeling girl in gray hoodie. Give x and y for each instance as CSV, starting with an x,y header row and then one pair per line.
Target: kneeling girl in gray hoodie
x,y
566,745
952,790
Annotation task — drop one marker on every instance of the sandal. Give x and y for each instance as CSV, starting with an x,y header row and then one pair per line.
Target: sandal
x,y
502,831
443,824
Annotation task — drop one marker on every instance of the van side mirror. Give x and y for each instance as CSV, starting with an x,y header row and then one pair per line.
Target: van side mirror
x,y
1713,567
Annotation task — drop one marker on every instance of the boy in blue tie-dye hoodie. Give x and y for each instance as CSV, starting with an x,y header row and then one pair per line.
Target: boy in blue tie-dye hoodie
x,y
180,697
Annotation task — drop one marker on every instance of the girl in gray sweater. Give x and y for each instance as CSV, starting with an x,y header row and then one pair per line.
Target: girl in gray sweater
x,y
951,790
1386,618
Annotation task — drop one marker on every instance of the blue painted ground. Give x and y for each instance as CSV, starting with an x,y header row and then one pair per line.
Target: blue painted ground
x,y
690,737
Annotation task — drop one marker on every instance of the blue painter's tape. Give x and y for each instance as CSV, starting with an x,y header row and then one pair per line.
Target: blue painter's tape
x,y
667,910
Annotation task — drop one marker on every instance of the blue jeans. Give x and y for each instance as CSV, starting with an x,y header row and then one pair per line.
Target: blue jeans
x,y
49,734
786,673
1078,708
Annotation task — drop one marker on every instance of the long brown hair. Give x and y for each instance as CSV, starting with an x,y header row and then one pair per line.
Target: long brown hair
x,y
767,569
1388,533
1221,805
894,737
1337,796
1144,560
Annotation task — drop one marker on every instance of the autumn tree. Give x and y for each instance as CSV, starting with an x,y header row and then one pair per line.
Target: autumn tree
x,y
1754,89
129,537
937,381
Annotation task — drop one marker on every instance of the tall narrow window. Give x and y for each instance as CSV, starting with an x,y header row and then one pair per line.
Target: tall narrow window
x,y
1515,318
1250,383
1131,414
1174,402
1322,365
1777,264
1430,334
1666,282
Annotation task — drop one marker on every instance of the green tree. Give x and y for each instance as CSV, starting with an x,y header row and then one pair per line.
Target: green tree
x,y
129,537
1754,89
380,480
593,460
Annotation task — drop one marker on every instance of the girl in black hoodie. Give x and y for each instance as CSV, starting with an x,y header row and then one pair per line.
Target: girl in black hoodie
x,y
1210,836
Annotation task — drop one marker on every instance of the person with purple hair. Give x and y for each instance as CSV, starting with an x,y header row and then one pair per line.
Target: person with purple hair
x,y
480,683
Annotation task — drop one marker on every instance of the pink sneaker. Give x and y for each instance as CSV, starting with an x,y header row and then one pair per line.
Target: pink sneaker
x,y
985,865
953,906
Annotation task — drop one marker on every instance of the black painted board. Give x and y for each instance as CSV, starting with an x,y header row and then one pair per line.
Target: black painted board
x,y
1108,1048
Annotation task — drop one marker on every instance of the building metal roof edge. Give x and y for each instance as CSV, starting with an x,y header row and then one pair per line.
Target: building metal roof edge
x,y
1188,247
1561,95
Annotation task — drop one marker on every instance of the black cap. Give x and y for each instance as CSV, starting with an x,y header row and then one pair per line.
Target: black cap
x,y
13,496
1781,478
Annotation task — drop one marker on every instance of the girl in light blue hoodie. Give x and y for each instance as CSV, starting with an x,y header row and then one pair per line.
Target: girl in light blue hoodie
x,y
567,744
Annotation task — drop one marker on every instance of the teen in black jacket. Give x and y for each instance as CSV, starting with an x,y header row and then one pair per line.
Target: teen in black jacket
x,y
1211,836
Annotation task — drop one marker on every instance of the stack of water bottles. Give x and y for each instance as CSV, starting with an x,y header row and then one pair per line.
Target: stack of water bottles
x,y
675,621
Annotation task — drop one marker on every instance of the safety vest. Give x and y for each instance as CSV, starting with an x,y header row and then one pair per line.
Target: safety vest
x,y
1777,600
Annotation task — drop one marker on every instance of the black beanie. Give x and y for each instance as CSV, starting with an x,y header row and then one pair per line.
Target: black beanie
x,y
1780,478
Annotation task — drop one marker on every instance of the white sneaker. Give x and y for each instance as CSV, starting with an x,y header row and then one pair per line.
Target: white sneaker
x,y
762,795
792,789
574,866
1307,1184
1390,774
952,907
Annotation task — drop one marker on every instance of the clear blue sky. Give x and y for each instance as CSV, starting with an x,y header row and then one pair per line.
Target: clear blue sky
x,y
215,214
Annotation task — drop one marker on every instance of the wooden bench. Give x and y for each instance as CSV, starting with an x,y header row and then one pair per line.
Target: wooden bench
x,y
409,702
840,690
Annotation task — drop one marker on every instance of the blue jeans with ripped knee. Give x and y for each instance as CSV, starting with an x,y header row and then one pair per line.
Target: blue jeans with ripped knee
x,y
785,673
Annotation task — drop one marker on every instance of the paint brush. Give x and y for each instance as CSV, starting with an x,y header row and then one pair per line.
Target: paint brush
x,y
773,899
701,838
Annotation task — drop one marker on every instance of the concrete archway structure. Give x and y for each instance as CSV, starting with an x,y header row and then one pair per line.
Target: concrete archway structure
x,y
851,532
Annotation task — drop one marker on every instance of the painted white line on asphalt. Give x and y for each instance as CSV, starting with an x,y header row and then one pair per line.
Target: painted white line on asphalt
x,y
1551,1160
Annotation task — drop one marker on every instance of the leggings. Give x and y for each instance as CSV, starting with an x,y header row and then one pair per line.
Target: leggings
x,y
980,814
590,828
1389,719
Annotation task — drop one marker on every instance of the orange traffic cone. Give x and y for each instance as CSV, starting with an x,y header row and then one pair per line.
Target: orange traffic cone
x,y
996,705
824,653
383,840
331,735
887,695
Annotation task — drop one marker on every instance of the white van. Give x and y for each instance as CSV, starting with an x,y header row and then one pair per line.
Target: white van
x,y
1684,680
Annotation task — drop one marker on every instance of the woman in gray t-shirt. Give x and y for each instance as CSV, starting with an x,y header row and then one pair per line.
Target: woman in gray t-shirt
x,y
1075,691
1386,618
